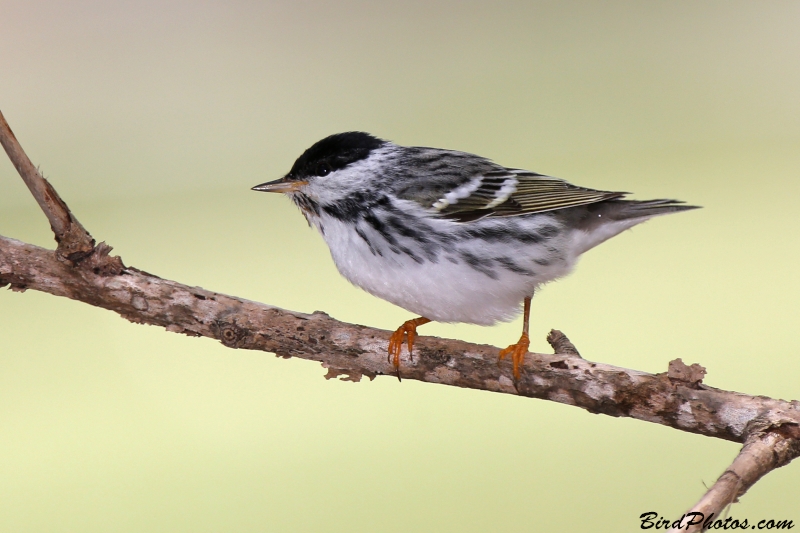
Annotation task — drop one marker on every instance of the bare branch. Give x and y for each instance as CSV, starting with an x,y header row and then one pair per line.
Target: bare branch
x,y
359,350
772,442
74,242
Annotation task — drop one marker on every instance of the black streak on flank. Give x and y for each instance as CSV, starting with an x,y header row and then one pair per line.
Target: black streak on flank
x,y
378,226
483,266
511,266
417,235
384,232
406,231
387,221
498,234
412,255
548,231
363,236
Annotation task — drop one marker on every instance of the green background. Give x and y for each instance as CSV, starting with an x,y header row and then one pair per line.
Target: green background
x,y
153,119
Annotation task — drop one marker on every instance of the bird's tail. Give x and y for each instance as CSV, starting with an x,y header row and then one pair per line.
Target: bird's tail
x,y
633,209
612,217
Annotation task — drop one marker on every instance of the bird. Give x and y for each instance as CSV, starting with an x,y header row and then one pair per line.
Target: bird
x,y
447,235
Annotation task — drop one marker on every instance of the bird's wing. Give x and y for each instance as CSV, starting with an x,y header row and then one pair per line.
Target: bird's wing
x,y
465,187
512,192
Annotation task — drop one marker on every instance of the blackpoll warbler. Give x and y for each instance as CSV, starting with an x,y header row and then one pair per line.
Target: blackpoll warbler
x,y
447,235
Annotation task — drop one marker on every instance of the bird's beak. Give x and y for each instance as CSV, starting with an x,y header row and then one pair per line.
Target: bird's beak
x,y
281,185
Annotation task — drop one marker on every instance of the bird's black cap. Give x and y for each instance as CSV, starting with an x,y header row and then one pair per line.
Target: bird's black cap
x,y
334,153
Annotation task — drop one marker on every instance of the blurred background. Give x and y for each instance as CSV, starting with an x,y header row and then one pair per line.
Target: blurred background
x,y
153,119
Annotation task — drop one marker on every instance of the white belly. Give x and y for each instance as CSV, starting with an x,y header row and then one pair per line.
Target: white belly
x,y
448,288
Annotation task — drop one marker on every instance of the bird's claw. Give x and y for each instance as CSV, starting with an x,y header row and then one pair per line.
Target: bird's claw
x,y
517,352
407,330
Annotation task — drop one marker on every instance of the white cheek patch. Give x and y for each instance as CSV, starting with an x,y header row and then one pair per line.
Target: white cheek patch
x,y
336,185
353,178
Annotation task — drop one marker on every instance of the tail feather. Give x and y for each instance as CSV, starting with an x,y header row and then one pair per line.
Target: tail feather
x,y
603,220
632,209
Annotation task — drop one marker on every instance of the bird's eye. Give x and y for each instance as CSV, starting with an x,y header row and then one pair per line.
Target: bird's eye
x,y
323,169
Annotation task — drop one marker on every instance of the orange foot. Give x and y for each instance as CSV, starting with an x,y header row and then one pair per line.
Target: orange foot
x,y
517,352
409,328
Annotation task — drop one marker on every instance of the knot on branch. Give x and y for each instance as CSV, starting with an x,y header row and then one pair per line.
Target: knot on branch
x,y
74,243
230,334
100,263
781,433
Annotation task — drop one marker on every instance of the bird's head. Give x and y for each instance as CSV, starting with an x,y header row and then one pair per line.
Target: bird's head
x,y
334,168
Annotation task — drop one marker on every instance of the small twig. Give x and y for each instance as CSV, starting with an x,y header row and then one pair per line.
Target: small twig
x,y
74,242
561,344
772,442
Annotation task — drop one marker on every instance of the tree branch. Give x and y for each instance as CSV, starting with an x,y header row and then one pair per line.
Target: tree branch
x,y
74,242
769,429
675,399
771,442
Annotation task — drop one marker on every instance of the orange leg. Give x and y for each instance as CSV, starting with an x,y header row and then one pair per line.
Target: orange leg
x,y
519,349
408,328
